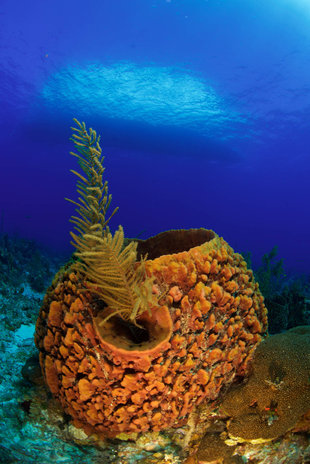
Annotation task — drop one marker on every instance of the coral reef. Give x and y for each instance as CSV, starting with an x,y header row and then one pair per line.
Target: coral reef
x,y
34,427
291,449
265,418
112,379
277,393
23,262
130,344
26,270
213,448
162,370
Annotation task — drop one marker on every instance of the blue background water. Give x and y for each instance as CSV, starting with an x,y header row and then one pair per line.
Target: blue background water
x,y
203,107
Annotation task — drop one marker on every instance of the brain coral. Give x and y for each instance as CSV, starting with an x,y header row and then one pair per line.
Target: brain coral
x,y
277,393
116,377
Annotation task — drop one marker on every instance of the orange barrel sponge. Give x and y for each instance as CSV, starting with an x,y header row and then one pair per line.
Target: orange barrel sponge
x,y
119,377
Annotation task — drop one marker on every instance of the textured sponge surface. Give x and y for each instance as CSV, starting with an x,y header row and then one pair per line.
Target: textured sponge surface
x,y
201,334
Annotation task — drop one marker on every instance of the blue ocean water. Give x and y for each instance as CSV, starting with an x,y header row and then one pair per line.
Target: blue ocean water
x,y
203,108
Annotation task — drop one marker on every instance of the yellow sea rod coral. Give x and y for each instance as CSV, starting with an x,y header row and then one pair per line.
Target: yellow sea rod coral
x,y
199,336
109,268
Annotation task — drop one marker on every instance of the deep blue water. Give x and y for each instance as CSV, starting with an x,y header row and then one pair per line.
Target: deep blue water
x,y
203,107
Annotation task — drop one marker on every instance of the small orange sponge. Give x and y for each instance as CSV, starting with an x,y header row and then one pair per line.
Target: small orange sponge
x,y
117,377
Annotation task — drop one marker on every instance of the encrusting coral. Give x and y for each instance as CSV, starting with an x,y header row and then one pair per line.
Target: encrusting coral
x,y
186,326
